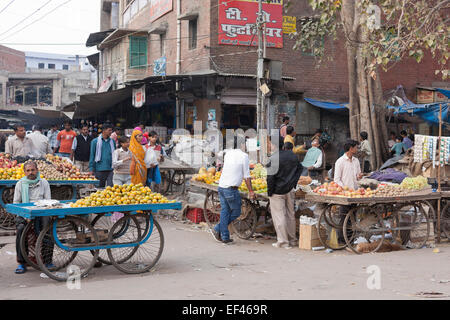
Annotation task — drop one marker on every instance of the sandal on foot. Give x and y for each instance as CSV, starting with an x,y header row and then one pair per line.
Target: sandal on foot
x,y
21,269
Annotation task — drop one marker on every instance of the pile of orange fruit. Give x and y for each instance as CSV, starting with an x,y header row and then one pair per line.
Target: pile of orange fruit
x,y
15,173
122,195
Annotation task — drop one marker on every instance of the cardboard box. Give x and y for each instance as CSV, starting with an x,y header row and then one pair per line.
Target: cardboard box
x,y
309,237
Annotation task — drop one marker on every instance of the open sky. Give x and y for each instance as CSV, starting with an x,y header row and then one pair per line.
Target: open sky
x,y
48,25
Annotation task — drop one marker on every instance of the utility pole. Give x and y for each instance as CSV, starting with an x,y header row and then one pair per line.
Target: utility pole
x,y
260,72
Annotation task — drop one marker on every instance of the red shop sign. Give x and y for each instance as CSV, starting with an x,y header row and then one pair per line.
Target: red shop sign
x,y
237,19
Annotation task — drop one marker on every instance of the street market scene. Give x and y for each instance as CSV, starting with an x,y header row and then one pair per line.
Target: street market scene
x,y
215,149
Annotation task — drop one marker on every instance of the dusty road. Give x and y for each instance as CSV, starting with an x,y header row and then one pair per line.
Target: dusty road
x,y
194,266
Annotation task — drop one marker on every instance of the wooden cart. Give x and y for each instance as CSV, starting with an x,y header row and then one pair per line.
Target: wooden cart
x,y
245,225
405,220
173,174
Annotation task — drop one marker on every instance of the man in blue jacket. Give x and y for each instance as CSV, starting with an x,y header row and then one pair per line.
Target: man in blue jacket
x,y
100,161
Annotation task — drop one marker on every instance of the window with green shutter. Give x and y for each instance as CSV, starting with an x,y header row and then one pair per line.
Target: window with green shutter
x,y
138,52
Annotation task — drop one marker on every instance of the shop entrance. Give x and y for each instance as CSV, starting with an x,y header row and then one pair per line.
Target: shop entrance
x,y
238,117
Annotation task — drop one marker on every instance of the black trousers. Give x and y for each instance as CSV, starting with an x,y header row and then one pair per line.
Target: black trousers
x,y
39,224
105,178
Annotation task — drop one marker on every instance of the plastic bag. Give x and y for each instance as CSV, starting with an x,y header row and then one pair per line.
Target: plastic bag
x,y
150,158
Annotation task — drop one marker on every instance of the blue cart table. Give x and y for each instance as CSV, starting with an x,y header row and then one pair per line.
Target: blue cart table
x,y
126,236
7,221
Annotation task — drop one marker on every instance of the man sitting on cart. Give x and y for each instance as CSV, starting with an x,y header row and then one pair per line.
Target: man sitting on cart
x,y
30,188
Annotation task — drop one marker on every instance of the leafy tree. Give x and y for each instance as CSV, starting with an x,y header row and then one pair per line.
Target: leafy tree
x,y
378,34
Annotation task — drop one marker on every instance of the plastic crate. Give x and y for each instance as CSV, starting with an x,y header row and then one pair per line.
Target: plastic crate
x,y
195,215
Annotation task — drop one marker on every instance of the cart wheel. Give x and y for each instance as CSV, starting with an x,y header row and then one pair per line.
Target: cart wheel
x,y
211,209
245,225
445,220
137,257
60,261
164,187
364,223
178,178
28,245
106,222
323,228
415,225
333,217
7,220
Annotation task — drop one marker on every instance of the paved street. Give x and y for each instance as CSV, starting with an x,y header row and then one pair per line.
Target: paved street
x,y
194,266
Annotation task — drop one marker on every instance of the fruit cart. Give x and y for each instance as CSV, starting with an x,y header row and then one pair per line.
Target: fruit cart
x,y
126,236
68,190
173,174
245,225
365,222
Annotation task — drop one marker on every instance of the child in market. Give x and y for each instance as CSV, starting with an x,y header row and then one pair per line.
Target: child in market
x,y
399,148
121,162
154,174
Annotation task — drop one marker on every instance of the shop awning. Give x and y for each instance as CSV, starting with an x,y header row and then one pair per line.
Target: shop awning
x,y
97,37
327,105
92,104
48,113
118,35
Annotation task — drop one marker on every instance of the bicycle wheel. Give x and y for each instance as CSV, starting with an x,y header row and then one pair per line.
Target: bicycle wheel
x,y
445,220
211,208
106,222
144,255
28,245
333,216
324,231
67,255
245,225
416,224
364,230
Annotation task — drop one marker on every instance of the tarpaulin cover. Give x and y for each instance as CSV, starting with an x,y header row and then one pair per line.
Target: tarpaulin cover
x,y
327,105
444,92
428,112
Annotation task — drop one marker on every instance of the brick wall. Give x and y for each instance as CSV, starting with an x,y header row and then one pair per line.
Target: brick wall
x,y
12,60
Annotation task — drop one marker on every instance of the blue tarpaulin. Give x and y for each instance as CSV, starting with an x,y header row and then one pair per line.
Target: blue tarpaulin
x,y
327,105
444,92
428,112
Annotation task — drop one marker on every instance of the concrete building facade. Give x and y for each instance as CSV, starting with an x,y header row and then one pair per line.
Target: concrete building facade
x,y
36,85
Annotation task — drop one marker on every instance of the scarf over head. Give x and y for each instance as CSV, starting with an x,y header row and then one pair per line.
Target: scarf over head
x,y
26,187
140,172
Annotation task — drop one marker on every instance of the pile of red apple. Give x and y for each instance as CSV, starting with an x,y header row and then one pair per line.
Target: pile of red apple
x,y
333,189
6,162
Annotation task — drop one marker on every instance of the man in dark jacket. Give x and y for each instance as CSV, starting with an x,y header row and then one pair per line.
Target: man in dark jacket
x,y
81,149
282,178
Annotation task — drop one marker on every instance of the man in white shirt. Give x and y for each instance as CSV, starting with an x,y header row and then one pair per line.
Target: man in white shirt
x,y
236,168
52,136
41,146
347,172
